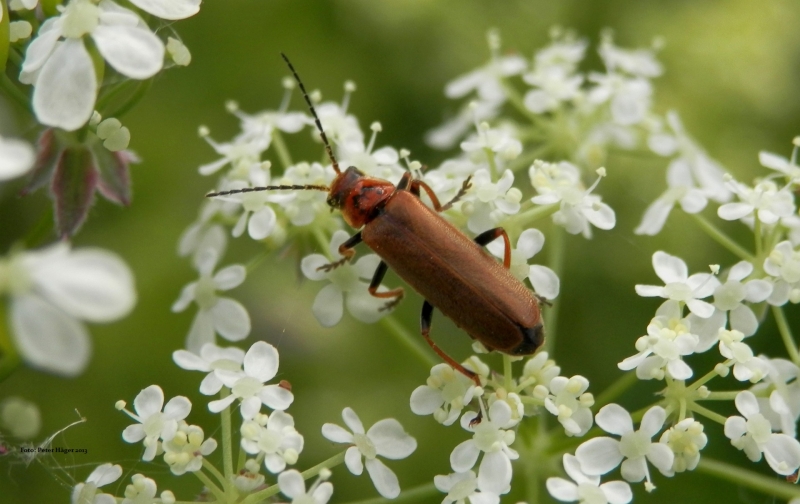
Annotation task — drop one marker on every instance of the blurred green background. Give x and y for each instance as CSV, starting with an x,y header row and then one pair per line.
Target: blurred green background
x,y
731,71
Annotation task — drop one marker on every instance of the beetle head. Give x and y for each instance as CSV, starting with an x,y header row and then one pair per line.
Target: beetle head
x,y
344,185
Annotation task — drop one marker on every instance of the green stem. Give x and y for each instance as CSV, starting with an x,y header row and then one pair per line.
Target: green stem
x,y
9,357
227,438
415,494
516,100
711,415
743,477
114,90
326,464
614,390
281,150
527,158
555,262
786,334
214,489
722,396
757,235
215,472
703,380
492,163
14,92
538,212
265,494
722,238
410,341
508,376
133,99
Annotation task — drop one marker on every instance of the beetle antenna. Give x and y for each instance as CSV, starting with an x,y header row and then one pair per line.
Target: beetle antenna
x,y
313,113
269,188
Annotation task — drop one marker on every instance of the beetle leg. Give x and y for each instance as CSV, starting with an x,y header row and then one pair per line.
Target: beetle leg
x,y
487,237
425,329
417,184
404,182
346,250
377,278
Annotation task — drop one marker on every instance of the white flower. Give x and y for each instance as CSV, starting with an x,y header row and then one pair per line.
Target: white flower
x,y
248,479
685,439
628,99
328,305
500,141
679,285
242,154
637,62
561,182
587,489
680,189
184,452
781,164
273,435
257,216
783,263
87,493
381,163
62,72
142,490
544,280
386,438
782,406
260,366
669,338
491,437
570,403
292,485
16,158
305,206
765,199
445,394
729,297
754,435
489,202
746,365
600,455
153,423
462,488
340,127
486,81
554,75
210,359
261,125
446,135
692,167
52,290
215,314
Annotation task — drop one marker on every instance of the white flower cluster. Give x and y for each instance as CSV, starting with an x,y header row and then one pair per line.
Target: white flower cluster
x,y
493,413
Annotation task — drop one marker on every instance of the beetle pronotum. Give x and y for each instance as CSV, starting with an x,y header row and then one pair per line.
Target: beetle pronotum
x,y
451,271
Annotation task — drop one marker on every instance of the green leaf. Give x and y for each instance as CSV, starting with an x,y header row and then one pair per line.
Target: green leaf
x,y
73,188
4,42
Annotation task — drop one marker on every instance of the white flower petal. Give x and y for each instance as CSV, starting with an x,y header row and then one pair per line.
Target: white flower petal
x,y
599,455
563,490
352,421
661,456
617,492
16,158
201,332
291,483
655,217
66,87
757,290
383,478
276,397
177,408
544,281
700,308
464,456
425,400
652,421
734,211
634,470
746,403
744,320
169,9
390,440
262,223
90,284
782,453
336,433
614,419
328,306
133,51
221,404
494,474
230,319
48,338
650,291
669,268
261,361
105,474
230,277
352,459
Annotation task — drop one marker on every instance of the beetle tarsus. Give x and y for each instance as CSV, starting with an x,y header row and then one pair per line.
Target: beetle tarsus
x,y
391,304
542,300
475,421
332,266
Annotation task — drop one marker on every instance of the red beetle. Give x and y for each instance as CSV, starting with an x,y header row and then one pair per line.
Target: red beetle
x,y
451,271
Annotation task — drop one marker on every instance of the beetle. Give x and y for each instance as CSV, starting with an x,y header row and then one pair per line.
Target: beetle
x,y
452,272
